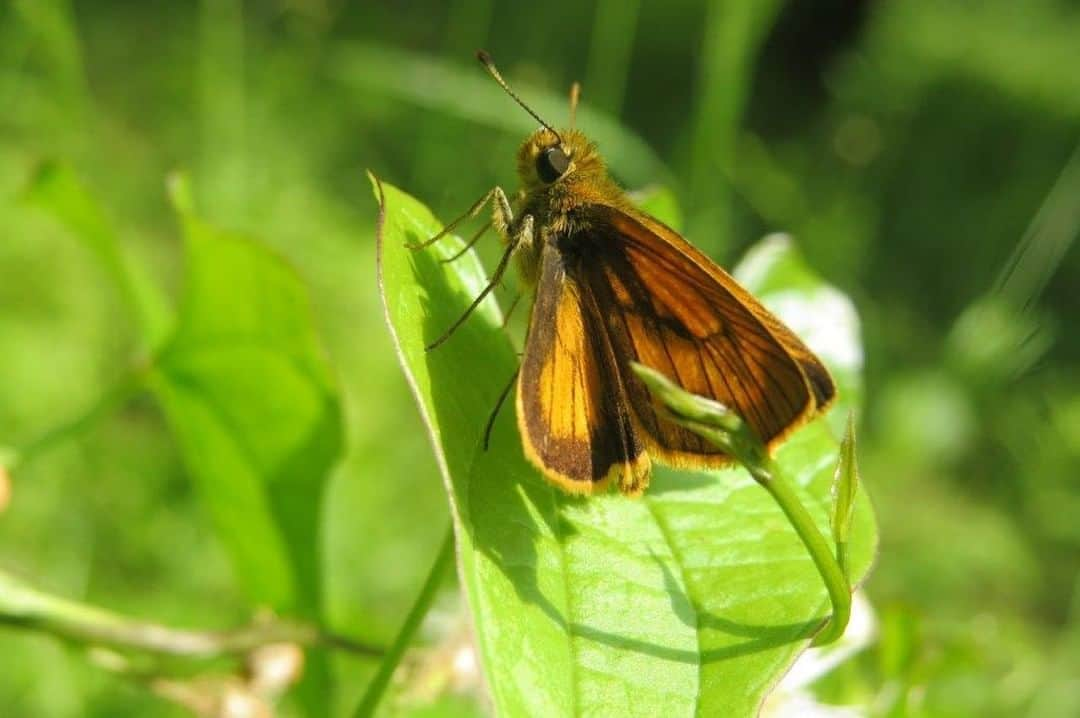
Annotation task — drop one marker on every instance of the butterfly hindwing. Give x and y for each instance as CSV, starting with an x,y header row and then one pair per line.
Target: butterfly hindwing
x,y
575,421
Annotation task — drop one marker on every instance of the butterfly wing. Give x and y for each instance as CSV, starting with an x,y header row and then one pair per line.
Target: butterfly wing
x,y
573,413
676,311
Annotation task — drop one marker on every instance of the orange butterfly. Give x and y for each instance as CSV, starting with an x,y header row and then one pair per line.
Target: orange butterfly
x,y
614,285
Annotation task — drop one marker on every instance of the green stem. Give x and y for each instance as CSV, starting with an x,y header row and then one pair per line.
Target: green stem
x,y
724,428
112,399
416,616
26,607
842,559
830,569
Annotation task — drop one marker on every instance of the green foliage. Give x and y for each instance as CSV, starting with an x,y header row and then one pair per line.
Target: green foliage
x,y
694,599
918,151
246,389
243,383
57,190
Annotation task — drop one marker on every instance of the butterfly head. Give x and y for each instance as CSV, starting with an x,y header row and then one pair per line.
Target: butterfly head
x,y
551,160
547,160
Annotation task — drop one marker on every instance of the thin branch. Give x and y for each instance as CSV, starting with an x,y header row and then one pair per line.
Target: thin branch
x,y
25,607
416,615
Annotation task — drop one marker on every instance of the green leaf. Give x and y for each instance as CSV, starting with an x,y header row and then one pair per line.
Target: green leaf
x,y
57,189
692,600
249,396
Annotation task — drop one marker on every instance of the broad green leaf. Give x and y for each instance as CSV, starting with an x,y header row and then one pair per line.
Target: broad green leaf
x,y
249,396
693,600
57,189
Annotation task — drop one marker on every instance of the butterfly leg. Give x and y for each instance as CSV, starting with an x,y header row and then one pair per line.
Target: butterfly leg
x,y
468,245
498,405
469,214
523,236
502,214
502,219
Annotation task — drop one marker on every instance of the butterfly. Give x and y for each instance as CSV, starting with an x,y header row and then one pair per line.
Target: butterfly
x,y
613,285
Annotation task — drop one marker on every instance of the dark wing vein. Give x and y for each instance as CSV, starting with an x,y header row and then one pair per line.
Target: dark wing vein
x,y
570,399
692,322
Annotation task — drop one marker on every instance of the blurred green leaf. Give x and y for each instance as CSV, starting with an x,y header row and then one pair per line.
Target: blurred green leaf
x,y
660,201
57,189
223,126
467,92
694,599
52,25
733,34
993,341
898,653
930,418
1023,52
898,647
248,394
610,51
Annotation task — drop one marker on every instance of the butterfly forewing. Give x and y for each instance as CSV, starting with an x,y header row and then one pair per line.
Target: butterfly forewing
x,y
673,309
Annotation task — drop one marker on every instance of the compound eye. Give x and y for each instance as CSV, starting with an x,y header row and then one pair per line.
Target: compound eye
x,y
551,164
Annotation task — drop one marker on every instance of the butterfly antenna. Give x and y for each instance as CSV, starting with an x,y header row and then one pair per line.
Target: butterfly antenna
x,y
575,95
489,65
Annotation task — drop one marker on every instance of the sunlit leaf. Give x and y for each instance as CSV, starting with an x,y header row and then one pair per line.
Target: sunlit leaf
x,y
690,601
249,396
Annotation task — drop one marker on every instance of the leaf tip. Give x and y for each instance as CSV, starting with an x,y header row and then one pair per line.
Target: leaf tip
x,y
376,186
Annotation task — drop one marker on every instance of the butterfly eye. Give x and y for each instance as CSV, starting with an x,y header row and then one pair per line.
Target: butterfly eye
x,y
551,164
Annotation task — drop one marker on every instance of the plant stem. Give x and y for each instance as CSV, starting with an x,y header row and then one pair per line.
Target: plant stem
x,y
842,559
830,569
26,607
724,428
416,615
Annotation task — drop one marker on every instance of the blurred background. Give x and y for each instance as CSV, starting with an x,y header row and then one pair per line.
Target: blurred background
x,y
923,154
